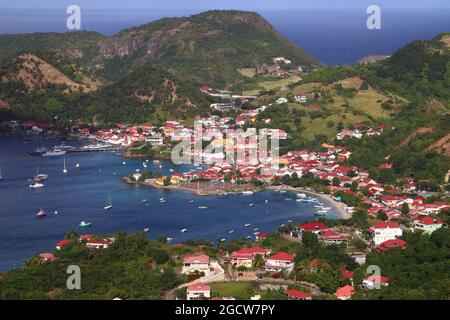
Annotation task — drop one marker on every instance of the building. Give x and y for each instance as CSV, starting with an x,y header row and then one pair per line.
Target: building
x,y
345,293
244,256
384,231
47,257
223,106
198,291
280,262
297,295
331,237
98,244
63,243
373,282
196,263
391,244
281,100
314,227
427,224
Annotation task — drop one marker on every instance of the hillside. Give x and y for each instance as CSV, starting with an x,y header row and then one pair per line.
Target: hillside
x,y
207,48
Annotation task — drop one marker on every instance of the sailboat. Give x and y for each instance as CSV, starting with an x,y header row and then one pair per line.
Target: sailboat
x,y
40,176
108,206
65,169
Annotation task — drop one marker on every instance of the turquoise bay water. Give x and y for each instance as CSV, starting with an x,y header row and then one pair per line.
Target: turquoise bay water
x,y
83,192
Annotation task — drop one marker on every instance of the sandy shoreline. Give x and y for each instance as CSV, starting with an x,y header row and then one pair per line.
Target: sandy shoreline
x,y
341,208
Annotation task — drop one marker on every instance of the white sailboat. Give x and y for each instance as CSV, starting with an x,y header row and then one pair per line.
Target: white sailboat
x,y
40,176
64,169
109,205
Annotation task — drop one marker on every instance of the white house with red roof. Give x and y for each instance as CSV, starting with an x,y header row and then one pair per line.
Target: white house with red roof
x,y
314,227
196,263
198,291
280,262
427,224
98,244
384,231
331,237
372,282
63,243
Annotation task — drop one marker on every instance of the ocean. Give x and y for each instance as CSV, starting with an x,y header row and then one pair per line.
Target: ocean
x,y
82,193
334,37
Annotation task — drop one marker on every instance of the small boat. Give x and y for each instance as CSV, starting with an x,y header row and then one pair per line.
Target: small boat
x,y
248,237
326,208
161,199
84,224
54,153
222,240
255,229
266,201
247,225
160,166
169,239
203,207
146,230
36,185
247,192
191,201
289,221
251,204
231,231
301,195
288,199
41,214
77,165
183,230
124,163
320,213
171,170
156,161
109,205
56,212
144,201
40,176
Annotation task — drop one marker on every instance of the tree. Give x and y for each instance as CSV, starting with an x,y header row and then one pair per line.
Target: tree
x,y
382,215
258,262
405,208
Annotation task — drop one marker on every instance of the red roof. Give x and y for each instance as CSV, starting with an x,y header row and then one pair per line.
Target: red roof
x,y
86,237
429,220
47,256
392,244
347,274
200,286
384,225
63,243
248,252
346,291
297,294
312,226
377,279
201,258
282,256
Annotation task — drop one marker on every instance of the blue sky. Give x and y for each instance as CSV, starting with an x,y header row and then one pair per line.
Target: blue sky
x,y
108,5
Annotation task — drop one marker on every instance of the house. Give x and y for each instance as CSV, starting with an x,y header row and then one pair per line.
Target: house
x,y
384,231
224,106
331,237
196,263
374,282
198,291
261,236
280,262
345,293
244,256
346,274
391,244
314,227
47,257
63,243
427,224
300,97
97,244
297,295
281,100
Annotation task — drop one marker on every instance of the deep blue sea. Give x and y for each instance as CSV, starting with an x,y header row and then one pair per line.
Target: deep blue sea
x,y
335,37
82,193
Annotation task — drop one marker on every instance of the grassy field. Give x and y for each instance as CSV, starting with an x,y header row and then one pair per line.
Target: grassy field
x,y
366,101
271,85
247,72
239,290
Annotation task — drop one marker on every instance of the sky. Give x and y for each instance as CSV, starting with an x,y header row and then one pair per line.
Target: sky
x,y
221,4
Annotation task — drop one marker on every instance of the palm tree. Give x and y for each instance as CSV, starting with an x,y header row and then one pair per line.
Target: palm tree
x,y
258,262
